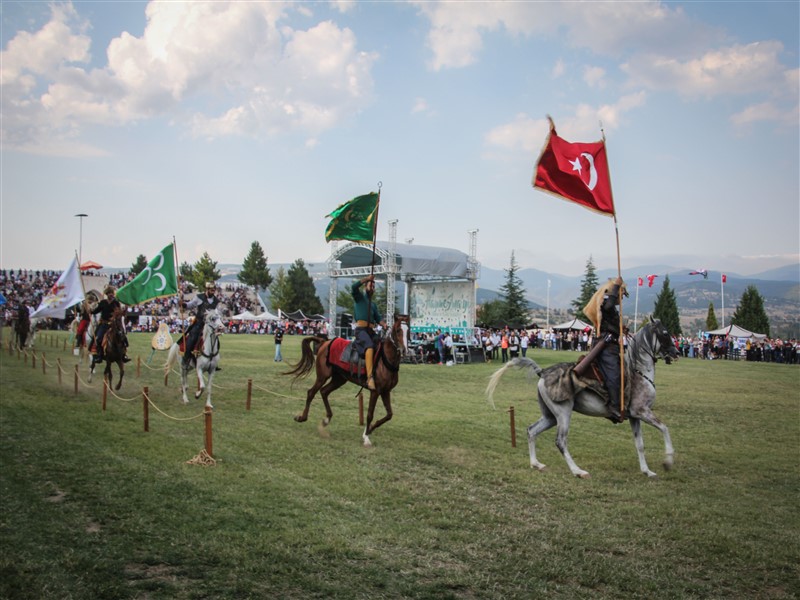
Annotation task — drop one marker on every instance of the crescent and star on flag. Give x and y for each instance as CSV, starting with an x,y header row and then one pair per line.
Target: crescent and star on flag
x,y
153,272
576,166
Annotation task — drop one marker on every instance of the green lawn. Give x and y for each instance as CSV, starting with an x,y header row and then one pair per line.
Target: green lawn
x,y
441,507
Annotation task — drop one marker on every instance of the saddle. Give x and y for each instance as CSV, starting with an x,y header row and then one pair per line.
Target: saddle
x,y
342,354
198,347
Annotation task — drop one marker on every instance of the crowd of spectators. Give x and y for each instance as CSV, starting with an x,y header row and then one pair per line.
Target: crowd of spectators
x,y
27,287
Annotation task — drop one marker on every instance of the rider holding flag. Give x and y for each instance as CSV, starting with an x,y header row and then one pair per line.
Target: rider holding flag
x,y
367,316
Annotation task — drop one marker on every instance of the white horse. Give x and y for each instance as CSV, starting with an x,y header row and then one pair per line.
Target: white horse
x,y
559,396
206,362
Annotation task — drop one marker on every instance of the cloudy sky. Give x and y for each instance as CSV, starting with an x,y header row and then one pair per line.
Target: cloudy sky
x,y
220,124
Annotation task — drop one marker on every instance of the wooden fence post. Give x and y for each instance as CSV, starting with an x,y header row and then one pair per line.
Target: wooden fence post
x,y
58,362
249,392
513,427
105,393
209,445
146,408
76,380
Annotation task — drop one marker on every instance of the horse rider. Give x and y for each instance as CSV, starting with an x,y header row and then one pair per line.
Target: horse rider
x,y
603,308
105,308
85,313
202,302
367,316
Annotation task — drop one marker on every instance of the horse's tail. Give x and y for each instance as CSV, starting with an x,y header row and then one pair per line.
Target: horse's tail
x,y
172,357
308,357
519,362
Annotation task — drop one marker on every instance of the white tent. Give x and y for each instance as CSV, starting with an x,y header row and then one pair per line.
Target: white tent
x,y
245,316
265,316
737,332
575,324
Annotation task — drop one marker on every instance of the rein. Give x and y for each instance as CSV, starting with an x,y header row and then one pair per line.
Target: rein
x,y
215,345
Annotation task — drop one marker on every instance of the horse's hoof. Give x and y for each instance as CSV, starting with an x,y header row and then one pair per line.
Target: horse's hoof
x,y
326,421
198,394
651,474
185,401
539,467
300,418
668,465
367,443
583,475
209,407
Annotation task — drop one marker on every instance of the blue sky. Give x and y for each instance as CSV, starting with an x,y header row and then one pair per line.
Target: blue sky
x,y
220,124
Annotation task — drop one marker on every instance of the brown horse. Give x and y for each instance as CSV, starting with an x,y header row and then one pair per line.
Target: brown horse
x,y
113,349
332,376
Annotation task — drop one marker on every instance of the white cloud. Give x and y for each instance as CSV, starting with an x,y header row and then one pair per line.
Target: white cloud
x,y
594,76
220,68
738,69
606,28
558,69
528,135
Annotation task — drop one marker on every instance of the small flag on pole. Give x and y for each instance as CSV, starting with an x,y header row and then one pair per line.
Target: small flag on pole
x,y
641,282
577,172
702,272
67,291
157,280
354,220
724,278
650,280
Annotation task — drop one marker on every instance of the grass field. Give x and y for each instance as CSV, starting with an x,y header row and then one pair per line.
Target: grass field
x,y
441,507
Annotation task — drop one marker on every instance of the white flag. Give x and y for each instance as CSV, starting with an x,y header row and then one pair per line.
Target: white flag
x,y
67,292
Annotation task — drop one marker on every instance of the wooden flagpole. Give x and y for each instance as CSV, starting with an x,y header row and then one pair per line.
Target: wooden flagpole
x,y
619,295
374,245
180,289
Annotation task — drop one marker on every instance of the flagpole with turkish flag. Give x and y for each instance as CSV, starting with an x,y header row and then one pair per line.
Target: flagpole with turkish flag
x,y
723,279
560,172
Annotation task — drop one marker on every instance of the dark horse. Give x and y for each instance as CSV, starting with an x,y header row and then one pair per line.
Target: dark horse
x,y
113,350
561,393
332,376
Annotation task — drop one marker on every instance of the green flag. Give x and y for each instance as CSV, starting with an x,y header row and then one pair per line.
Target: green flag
x,y
354,220
156,280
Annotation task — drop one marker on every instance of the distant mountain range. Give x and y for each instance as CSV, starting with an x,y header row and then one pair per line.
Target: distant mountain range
x,y
779,287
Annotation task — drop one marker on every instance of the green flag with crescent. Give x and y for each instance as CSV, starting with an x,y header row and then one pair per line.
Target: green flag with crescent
x,y
157,280
354,220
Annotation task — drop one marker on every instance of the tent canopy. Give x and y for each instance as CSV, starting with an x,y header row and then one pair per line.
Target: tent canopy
x,y
244,316
266,316
737,332
575,324
90,265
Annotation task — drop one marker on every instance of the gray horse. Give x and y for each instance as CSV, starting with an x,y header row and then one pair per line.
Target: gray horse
x,y
561,392
205,362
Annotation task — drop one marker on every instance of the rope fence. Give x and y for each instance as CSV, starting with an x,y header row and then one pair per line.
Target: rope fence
x,y
204,458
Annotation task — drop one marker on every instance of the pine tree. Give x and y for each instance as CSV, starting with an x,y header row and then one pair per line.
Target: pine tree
x,y
711,318
516,307
255,271
666,309
205,270
186,271
588,288
303,291
280,292
139,265
750,313
492,313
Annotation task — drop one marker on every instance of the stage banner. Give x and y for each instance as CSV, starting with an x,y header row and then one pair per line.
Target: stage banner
x,y
442,305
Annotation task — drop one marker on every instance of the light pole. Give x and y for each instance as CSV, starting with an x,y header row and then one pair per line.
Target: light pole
x,y
80,240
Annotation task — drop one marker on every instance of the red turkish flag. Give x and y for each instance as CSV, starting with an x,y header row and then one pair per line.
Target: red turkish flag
x,y
724,278
641,282
577,172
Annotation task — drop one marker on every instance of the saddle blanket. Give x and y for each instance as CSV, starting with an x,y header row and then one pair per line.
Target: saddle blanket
x,y
335,350
563,384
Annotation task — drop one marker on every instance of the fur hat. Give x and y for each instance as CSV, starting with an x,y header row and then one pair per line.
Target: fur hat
x,y
592,308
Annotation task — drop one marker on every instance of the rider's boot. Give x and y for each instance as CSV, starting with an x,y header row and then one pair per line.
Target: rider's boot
x,y
615,415
368,356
